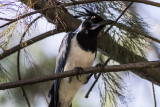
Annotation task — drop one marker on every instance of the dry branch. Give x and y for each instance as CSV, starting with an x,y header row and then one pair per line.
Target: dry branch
x,y
86,96
113,68
73,3
157,4
147,74
28,42
5,19
119,16
20,17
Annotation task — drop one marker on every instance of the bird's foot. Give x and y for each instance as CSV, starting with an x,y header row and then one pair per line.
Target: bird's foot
x,y
70,79
101,66
77,69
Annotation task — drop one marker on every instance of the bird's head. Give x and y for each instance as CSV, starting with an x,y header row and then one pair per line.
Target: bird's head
x,y
93,23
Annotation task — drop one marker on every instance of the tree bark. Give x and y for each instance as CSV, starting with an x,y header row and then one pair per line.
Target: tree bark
x,y
106,44
87,70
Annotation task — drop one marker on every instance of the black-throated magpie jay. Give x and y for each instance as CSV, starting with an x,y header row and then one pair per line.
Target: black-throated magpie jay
x,y
78,49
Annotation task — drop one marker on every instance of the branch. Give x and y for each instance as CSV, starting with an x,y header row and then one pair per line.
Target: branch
x,y
5,19
119,16
91,1
126,28
23,16
154,96
157,4
86,96
113,68
74,3
28,42
96,79
152,38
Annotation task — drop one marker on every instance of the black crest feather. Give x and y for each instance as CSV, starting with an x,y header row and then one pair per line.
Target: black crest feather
x,y
85,14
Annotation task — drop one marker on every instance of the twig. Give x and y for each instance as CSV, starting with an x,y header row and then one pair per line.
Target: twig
x,y
77,3
119,16
152,38
72,0
18,60
106,62
19,77
137,32
5,19
156,49
28,42
154,96
108,58
112,68
23,16
90,89
157,4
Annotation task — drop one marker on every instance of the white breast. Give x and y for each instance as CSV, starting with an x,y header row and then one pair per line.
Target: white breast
x,y
77,58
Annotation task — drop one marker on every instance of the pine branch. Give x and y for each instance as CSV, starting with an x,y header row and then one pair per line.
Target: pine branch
x,y
126,28
86,96
23,16
152,38
28,43
5,19
90,89
113,68
157,4
94,83
154,95
70,4
119,16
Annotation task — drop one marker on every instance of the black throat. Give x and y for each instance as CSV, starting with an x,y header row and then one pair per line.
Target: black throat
x,y
87,41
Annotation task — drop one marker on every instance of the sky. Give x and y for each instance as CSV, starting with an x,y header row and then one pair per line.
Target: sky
x,y
144,97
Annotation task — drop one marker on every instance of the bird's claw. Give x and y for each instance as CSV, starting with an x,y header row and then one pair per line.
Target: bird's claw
x,y
77,69
70,79
100,65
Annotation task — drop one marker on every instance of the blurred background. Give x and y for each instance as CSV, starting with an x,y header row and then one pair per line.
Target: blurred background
x,y
39,59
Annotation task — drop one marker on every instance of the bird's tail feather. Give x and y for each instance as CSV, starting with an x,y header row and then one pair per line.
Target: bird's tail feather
x,y
51,104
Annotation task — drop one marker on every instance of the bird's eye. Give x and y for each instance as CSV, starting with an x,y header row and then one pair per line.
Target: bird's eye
x,y
96,19
87,25
93,18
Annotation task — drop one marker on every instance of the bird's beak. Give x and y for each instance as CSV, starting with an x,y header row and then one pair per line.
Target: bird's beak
x,y
102,23
106,22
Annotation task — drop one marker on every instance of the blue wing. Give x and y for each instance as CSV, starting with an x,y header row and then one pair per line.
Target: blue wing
x,y
60,63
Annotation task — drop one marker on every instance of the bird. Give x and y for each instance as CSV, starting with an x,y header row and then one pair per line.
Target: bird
x,y
78,49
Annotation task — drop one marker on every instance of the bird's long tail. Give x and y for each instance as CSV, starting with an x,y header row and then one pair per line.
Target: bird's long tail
x,y
51,104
